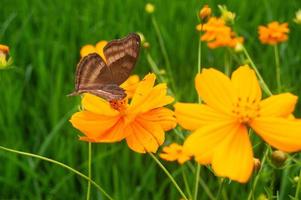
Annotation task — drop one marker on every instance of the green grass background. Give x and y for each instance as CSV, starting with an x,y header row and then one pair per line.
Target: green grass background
x,y
45,38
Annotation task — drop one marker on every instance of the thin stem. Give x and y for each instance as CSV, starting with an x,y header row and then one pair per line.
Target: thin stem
x,y
59,164
220,189
169,175
163,49
251,194
277,64
199,56
197,178
262,82
89,170
186,183
298,190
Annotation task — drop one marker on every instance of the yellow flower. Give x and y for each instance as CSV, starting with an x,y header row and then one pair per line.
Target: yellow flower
x,y
142,122
220,125
4,60
98,48
130,85
149,8
227,15
175,152
205,12
273,33
297,18
218,34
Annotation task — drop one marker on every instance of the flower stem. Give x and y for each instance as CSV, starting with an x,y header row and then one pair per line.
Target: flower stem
x,y
277,64
163,49
59,164
298,190
199,56
89,170
197,178
169,175
251,194
220,189
262,82
186,183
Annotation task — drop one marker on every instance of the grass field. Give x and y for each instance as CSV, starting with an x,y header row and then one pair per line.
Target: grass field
x,y
45,38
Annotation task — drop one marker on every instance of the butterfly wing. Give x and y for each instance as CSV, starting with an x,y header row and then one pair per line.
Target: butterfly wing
x,y
121,56
93,76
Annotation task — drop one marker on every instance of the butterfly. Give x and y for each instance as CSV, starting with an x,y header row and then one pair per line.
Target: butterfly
x,y
102,78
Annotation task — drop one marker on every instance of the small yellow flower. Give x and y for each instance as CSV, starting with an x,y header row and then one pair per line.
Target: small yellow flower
x,y
142,122
175,152
205,12
273,33
4,60
297,18
130,85
220,125
149,8
98,48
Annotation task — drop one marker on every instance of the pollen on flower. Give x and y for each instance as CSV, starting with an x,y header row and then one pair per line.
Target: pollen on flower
x,y
246,109
119,105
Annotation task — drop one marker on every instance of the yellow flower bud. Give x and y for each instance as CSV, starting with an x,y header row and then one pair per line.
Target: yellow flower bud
x,y
205,12
227,15
278,158
257,164
149,8
4,60
297,18
238,47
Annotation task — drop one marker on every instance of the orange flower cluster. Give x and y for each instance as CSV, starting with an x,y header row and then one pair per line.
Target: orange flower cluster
x,y
273,33
218,34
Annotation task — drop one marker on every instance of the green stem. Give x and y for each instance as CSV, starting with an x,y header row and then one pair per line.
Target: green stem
x,y
89,170
169,175
197,178
262,82
199,56
186,183
277,64
163,49
59,164
251,194
298,190
220,189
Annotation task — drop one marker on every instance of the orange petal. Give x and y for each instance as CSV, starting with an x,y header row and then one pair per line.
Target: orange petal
x,y
215,89
145,134
97,105
281,105
246,84
87,49
203,142
115,133
99,48
92,125
162,116
234,157
192,116
130,85
281,133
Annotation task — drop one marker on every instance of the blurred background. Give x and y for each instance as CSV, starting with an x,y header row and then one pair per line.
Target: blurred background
x,y
45,38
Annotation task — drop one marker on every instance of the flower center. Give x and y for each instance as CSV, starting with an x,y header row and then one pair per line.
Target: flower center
x,y
119,105
246,109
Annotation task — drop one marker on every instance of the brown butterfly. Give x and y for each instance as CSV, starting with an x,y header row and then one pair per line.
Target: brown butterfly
x,y
95,76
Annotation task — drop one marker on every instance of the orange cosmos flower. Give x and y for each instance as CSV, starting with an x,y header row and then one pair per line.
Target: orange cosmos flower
x,y
175,152
273,33
98,48
218,34
141,123
220,124
130,85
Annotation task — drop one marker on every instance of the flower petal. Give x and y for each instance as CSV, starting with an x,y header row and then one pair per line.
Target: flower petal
x,y
281,105
162,116
145,134
234,157
98,105
192,116
87,49
203,142
281,133
91,124
215,89
246,84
